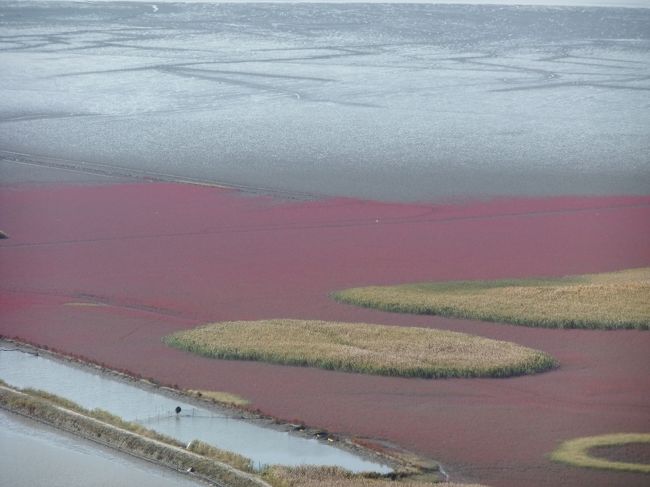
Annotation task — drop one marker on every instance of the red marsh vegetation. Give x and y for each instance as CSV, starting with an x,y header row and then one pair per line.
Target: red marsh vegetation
x,y
166,257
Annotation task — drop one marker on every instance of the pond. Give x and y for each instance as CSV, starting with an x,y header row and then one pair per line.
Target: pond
x,y
93,389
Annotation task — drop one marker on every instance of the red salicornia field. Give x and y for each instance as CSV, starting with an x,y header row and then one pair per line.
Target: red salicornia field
x,y
165,257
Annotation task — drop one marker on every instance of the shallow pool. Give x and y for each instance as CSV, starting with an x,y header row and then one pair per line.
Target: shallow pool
x,y
93,389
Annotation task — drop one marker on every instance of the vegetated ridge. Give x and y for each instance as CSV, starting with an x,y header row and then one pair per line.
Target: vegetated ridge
x,y
361,347
602,301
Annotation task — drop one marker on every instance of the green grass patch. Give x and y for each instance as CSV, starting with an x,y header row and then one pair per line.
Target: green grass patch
x,y
576,452
361,347
601,301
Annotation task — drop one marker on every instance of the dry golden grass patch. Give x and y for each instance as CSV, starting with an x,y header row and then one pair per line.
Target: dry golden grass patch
x,y
361,347
336,477
221,397
610,300
576,452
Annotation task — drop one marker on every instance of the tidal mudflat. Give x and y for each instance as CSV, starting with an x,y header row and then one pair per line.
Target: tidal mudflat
x,y
393,102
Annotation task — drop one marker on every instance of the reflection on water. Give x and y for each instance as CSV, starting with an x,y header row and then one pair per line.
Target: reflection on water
x,y
94,390
37,455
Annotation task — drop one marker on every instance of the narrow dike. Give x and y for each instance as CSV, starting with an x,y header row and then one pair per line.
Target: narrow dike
x,y
177,458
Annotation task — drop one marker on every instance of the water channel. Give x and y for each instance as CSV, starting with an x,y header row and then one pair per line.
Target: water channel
x,y
93,389
35,454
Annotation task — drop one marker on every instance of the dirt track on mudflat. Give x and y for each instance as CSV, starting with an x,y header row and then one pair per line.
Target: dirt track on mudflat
x,y
160,257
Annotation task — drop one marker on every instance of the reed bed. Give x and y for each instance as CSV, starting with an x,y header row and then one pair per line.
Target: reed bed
x,y
616,300
363,348
336,477
576,452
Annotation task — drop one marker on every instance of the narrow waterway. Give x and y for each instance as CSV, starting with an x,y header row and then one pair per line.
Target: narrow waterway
x,y
93,389
34,454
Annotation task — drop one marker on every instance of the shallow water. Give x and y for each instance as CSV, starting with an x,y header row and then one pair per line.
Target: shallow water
x,y
34,454
92,390
408,102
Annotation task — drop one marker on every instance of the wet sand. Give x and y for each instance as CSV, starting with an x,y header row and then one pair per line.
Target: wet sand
x,y
164,257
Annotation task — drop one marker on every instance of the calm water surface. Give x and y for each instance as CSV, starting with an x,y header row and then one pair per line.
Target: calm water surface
x,y
94,390
37,455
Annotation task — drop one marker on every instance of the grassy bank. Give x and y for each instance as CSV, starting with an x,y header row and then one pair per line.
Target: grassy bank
x,y
240,462
102,415
336,477
606,301
576,452
364,348
130,438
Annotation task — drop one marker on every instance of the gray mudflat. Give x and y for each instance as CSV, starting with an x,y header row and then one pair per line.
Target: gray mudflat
x,y
407,102
13,172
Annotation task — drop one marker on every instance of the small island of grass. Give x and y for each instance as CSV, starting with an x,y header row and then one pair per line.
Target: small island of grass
x,y
363,348
601,301
580,452
220,397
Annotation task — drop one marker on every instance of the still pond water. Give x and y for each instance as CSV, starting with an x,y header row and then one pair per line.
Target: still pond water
x,y
154,410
